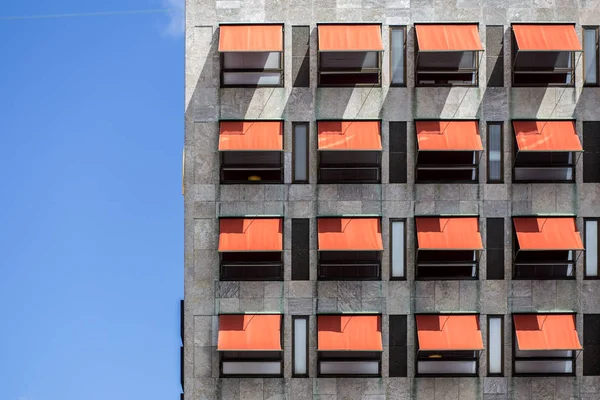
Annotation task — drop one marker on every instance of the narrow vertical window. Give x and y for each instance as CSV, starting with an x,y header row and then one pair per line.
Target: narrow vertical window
x,y
495,345
591,344
591,151
397,154
300,346
494,155
398,245
397,58
397,341
300,251
591,248
300,152
494,247
590,55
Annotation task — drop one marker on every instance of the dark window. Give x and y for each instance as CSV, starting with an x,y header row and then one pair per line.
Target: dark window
x,y
300,249
591,344
251,266
591,151
495,248
447,264
350,68
445,68
591,245
301,56
246,166
181,320
398,349
349,265
181,365
300,152
494,38
554,264
495,345
495,170
397,164
398,55
349,167
590,55
251,363
300,346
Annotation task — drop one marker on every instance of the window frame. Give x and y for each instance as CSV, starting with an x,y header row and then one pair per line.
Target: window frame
x,y
294,125
404,244
307,319
585,253
392,28
321,276
223,168
487,151
596,28
488,346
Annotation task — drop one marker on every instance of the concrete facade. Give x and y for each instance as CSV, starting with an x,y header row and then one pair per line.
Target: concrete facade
x,y
205,200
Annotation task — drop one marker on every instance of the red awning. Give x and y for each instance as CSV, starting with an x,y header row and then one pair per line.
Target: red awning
x,y
448,135
456,233
449,332
349,135
540,37
546,136
450,37
357,37
349,333
261,38
254,332
546,332
349,234
251,135
251,234
547,234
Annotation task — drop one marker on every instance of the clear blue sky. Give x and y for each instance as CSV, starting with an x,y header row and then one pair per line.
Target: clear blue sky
x,y
91,212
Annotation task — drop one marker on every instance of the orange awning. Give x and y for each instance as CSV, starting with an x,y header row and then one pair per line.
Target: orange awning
x,y
539,37
349,234
349,135
452,37
457,233
546,332
546,136
349,332
358,37
448,135
251,38
251,234
547,234
449,332
251,135
255,332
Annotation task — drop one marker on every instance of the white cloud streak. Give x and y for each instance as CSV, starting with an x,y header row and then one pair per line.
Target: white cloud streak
x,y
176,15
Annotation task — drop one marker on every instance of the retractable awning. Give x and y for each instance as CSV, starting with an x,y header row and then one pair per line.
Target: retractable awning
x,y
448,37
455,233
449,332
249,332
546,37
546,136
250,234
353,37
349,333
349,135
248,38
349,234
546,332
548,233
251,135
448,135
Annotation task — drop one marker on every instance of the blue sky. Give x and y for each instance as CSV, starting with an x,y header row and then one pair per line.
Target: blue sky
x,y
91,212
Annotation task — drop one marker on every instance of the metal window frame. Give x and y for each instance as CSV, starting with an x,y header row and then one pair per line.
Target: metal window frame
x,y
321,276
596,29
307,319
391,246
487,348
391,28
487,151
585,254
294,124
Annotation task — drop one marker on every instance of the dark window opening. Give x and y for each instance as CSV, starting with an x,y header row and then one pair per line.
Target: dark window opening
x,y
349,265
546,264
349,167
300,249
398,349
591,344
443,68
349,68
447,363
591,151
251,69
494,248
251,167
449,264
448,166
248,266
542,166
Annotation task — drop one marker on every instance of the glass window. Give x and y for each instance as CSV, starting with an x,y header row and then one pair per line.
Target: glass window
x,y
397,54
349,59
300,152
494,147
300,346
251,60
447,60
398,245
495,345
590,55
591,248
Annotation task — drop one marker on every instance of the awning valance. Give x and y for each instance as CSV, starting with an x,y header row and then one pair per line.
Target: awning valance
x,y
547,233
349,234
354,37
448,37
546,37
546,136
546,332
251,135
349,333
449,332
349,135
250,234
448,136
455,233
248,38
249,332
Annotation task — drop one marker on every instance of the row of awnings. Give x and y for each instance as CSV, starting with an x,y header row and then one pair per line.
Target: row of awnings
x,y
367,37
364,234
262,332
541,135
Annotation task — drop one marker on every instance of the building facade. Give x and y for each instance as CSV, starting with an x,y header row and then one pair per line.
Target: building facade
x,y
391,199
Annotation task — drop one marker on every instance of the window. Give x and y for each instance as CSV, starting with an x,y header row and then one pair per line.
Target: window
x,y
447,55
251,55
397,154
349,55
300,346
300,249
301,56
494,38
590,55
591,344
592,244
448,151
494,152
300,148
591,151
495,345
494,248
398,244
398,349
546,62
398,55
